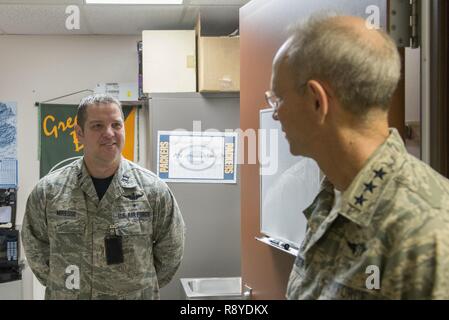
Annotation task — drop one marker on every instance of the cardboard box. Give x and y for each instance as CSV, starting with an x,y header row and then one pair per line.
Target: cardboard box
x,y
218,64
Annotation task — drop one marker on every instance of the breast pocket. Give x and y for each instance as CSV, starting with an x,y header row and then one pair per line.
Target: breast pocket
x,y
68,242
66,248
137,247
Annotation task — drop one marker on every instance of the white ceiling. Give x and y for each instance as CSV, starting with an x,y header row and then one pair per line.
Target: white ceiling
x,y
48,17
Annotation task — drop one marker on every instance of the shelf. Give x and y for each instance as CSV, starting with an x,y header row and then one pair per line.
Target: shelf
x,y
271,242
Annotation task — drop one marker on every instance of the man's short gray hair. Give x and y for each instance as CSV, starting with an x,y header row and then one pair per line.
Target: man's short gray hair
x,y
95,99
361,74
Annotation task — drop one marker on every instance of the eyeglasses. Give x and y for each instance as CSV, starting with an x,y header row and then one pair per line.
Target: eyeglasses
x,y
272,100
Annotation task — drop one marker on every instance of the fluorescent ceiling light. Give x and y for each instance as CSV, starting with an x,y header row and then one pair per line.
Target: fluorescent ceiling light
x,y
133,1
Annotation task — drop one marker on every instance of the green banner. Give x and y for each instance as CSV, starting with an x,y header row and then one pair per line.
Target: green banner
x,y
59,145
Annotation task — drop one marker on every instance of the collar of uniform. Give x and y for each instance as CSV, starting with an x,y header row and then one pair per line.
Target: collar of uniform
x,y
326,192
82,173
121,179
84,180
126,180
123,175
360,199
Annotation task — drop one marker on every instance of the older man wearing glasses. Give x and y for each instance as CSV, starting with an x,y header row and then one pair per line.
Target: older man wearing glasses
x,y
379,228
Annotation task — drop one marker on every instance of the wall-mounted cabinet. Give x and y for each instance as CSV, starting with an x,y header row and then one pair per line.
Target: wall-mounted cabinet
x,y
169,61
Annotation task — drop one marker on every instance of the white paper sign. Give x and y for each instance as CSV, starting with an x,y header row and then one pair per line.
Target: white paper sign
x,y
201,157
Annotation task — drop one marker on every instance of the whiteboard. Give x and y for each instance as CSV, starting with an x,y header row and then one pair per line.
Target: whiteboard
x,y
288,183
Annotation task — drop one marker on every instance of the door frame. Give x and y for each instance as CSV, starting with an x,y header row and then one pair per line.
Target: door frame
x,y
435,78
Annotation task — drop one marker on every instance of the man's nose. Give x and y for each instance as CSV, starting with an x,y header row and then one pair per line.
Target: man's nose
x,y
109,131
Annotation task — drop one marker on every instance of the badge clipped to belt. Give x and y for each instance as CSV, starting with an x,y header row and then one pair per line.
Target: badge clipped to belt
x,y
113,246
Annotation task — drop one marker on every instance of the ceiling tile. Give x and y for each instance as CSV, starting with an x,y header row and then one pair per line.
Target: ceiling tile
x,y
135,19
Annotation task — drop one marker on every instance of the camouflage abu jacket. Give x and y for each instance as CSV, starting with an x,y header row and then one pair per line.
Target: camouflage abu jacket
x,y
390,240
64,229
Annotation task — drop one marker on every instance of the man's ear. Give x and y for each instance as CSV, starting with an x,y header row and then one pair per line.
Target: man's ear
x,y
320,99
79,132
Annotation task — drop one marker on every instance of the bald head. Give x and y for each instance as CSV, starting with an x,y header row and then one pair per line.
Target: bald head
x,y
349,21
360,64
352,25
359,29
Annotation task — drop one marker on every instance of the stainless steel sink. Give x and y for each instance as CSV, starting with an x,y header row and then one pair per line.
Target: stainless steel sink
x,y
212,288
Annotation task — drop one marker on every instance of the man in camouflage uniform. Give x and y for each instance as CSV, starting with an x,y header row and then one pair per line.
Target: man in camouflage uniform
x,y
379,227
102,227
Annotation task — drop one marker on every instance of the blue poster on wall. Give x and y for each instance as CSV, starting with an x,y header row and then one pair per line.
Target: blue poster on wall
x,y
8,145
198,157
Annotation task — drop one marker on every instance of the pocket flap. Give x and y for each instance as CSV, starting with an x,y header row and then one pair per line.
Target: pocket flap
x,y
130,228
70,226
